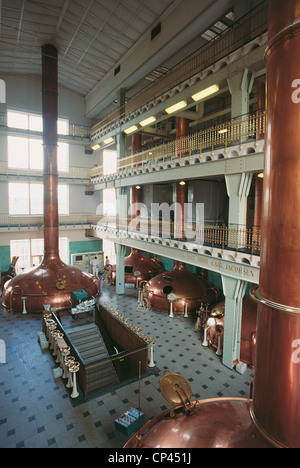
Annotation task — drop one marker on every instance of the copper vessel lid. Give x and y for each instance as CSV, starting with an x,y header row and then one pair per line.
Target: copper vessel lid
x,y
218,310
175,389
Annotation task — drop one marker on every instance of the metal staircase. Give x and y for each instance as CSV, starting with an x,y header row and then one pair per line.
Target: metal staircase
x,y
89,343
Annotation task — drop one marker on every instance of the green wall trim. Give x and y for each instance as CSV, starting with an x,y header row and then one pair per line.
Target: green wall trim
x,y
4,257
84,246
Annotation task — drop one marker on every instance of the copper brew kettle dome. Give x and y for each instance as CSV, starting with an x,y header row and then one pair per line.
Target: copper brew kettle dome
x,y
211,423
52,282
186,285
147,267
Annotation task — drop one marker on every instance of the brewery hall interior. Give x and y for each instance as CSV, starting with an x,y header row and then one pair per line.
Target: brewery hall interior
x,y
148,255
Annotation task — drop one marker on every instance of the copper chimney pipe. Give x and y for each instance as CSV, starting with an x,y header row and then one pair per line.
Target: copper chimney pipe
x,y
52,282
272,418
50,178
276,407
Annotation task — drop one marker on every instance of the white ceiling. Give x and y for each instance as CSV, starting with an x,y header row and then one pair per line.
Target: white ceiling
x,y
91,35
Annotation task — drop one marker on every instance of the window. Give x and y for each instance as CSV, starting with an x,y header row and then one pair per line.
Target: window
x,y
21,249
63,199
109,250
33,122
18,198
27,152
62,157
109,202
109,162
28,199
36,197
31,252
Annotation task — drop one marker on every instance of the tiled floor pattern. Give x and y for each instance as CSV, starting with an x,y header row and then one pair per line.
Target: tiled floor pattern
x,y
36,410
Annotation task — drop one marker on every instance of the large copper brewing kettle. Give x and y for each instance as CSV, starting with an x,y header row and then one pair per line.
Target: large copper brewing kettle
x,y
52,282
248,329
191,290
134,263
211,423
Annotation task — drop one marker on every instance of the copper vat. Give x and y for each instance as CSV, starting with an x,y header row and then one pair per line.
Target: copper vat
x,y
248,329
138,268
52,282
272,417
191,290
211,423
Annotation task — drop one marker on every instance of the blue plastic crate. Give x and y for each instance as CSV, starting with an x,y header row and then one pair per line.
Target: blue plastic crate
x,y
128,423
79,295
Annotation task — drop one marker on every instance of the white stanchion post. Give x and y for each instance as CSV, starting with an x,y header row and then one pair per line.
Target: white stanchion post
x,y
74,369
24,305
151,363
205,342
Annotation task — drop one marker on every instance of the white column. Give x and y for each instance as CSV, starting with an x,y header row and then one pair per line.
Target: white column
x,y
234,291
240,85
238,188
120,268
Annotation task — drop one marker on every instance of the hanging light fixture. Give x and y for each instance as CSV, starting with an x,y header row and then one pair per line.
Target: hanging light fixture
x,y
131,129
147,121
206,92
109,140
179,105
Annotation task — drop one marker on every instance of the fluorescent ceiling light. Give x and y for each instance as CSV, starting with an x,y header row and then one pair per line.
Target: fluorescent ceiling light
x,y
224,130
148,121
182,182
176,107
206,92
95,147
108,140
131,129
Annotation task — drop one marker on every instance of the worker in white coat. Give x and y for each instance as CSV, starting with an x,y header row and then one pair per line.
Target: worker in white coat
x,y
95,266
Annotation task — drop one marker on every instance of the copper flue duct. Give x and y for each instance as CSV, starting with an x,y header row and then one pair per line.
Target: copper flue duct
x,y
52,282
272,418
276,407
50,113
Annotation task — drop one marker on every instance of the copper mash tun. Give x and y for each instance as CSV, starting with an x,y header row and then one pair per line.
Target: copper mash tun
x,y
189,291
138,268
271,418
215,329
52,282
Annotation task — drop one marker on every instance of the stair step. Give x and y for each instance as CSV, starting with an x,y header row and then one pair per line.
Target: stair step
x,y
95,353
85,339
98,366
84,330
90,345
93,359
80,328
105,372
102,383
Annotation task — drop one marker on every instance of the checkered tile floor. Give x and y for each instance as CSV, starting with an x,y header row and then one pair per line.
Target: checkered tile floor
x,y
36,410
